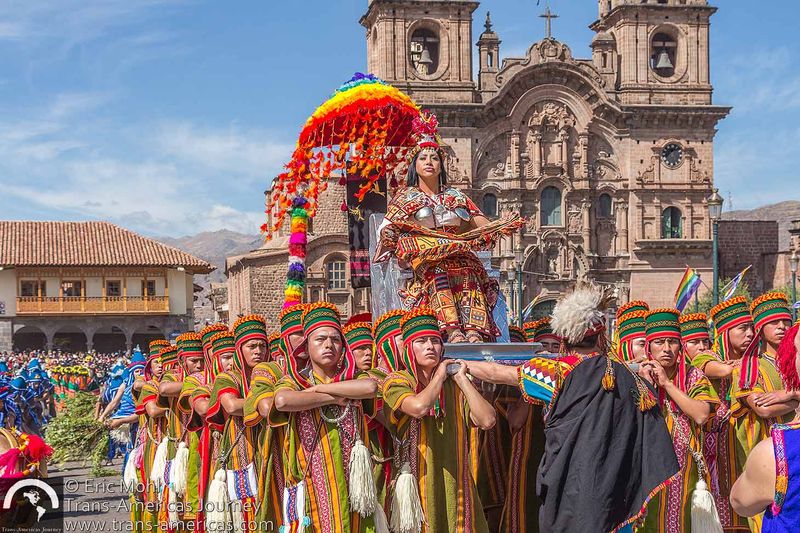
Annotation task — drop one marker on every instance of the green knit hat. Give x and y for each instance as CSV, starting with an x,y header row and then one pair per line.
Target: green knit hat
x,y
730,314
190,344
631,307
544,331
632,324
530,330
419,322
358,334
249,327
168,356
662,322
274,344
155,346
222,342
209,331
769,308
292,319
694,326
516,334
384,331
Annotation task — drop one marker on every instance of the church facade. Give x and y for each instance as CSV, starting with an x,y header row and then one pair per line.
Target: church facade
x,y
610,158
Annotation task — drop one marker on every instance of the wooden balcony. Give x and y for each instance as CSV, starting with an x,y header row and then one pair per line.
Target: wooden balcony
x,y
92,305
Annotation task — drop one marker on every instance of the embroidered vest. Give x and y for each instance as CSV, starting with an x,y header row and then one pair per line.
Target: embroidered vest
x,y
783,516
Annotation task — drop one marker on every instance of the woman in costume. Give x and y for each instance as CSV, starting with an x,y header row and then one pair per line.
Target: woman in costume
x,y
435,228
237,455
434,414
688,401
324,412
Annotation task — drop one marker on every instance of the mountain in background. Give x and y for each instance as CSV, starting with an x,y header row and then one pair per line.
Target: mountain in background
x,y
783,212
214,247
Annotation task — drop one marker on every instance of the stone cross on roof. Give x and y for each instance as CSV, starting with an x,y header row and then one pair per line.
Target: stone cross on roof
x,y
549,16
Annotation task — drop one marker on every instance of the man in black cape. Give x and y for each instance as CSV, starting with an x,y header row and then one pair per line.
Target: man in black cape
x,y
607,448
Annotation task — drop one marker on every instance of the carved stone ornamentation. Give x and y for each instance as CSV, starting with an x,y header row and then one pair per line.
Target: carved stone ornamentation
x,y
648,175
696,175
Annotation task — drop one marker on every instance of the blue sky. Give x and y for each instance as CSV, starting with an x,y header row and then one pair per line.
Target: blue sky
x,y
170,116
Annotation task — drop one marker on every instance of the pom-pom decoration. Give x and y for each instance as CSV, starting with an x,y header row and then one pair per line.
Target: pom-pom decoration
x,y
296,275
365,129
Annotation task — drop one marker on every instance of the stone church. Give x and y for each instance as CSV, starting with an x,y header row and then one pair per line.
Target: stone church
x,y
610,158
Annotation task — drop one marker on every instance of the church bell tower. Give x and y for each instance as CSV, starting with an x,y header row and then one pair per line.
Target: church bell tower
x,y
422,47
661,49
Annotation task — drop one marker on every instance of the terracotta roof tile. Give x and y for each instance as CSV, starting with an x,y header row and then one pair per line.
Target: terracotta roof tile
x,y
35,243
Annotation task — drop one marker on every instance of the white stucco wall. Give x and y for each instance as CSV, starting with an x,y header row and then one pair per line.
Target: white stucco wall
x,y
8,292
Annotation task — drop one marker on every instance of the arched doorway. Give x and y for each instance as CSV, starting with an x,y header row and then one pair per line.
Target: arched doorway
x,y
109,339
69,339
29,338
142,337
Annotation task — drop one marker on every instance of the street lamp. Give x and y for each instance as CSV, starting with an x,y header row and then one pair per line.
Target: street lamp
x,y
715,213
793,263
518,261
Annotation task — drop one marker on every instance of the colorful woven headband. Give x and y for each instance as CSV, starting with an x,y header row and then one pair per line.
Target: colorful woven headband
x,y
155,346
661,323
420,322
632,325
222,342
530,330
631,307
385,331
248,328
769,308
516,334
168,356
292,319
694,326
544,331
730,314
209,331
358,334
274,344
189,344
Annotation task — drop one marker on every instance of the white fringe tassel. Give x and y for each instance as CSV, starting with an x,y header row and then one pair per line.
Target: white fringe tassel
x,y
159,463
363,499
129,479
217,503
179,469
237,516
172,508
381,523
407,514
704,512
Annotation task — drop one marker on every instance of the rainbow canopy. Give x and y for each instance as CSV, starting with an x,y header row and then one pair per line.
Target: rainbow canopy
x,y
364,129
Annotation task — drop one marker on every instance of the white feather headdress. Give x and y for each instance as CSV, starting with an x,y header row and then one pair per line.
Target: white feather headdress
x,y
581,312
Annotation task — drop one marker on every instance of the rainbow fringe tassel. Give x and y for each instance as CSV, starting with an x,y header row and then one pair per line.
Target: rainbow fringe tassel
x,y
296,276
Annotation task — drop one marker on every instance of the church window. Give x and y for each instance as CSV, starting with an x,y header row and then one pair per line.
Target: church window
x,y
424,51
604,206
551,206
337,274
490,205
663,54
671,223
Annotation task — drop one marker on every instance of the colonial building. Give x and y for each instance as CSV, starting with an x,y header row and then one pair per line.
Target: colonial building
x,y
90,285
610,158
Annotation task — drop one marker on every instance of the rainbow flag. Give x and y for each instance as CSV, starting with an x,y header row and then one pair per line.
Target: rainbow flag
x,y
734,283
688,286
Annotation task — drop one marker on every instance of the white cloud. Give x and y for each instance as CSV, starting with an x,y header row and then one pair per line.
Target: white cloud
x,y
252,155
